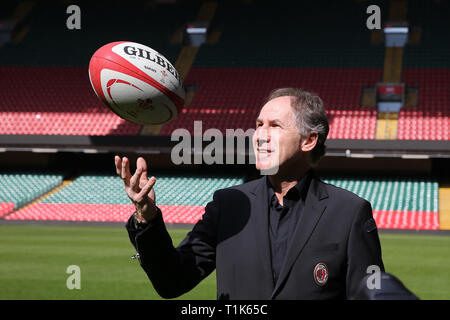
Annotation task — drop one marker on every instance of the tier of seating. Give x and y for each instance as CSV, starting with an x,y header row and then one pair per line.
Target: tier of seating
x,y
233,99
232,75
55,101
393,194
433,49
19,189
305,34
102,198
101,22
34,100
396,203
430,120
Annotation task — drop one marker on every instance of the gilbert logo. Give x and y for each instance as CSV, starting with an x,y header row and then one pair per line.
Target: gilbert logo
x,y
151,56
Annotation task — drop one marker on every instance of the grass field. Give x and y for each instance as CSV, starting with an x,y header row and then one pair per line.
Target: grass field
x,y
34,260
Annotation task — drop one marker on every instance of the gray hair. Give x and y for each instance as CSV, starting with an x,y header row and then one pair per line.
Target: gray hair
x,y
310,116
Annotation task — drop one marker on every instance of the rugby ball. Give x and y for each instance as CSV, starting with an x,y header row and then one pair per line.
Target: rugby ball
x,y
137,83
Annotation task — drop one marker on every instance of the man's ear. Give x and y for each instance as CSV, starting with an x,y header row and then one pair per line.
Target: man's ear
x,y
309,142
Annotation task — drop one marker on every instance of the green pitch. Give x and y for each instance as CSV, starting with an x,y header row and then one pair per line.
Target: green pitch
x,y
34,260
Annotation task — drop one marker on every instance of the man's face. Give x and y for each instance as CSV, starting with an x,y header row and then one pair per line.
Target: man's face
x,y
276,140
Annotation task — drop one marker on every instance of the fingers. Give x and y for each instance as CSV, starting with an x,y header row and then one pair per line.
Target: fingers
x,y
134,181
125,172
118,163
146,189
139,183
140,163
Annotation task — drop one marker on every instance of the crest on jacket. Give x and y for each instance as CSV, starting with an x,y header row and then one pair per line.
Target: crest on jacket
x,y
321,274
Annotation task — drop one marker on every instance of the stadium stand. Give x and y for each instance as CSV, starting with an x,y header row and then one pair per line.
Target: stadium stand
x,y
397,204
44,96
430,120
249,71
47,92
233,100
38,96
54,101
303,36
19,189
427,67
102,198
100,20
433,49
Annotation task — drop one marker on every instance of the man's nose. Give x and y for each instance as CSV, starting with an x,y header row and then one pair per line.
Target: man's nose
x,y
262,136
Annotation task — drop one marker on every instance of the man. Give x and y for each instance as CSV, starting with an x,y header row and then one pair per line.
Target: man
x,y
287,235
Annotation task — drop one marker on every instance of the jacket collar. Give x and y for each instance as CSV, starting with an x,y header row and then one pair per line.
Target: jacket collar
x,y
315,205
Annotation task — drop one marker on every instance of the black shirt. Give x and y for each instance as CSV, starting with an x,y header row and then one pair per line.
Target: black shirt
x,y
283,221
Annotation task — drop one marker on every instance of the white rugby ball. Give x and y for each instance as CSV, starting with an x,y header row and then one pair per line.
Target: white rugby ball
x,y
137,83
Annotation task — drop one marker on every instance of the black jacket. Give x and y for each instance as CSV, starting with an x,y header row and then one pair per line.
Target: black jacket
x,y
336,233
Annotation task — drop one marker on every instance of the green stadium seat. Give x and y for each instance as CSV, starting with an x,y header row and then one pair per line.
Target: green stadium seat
x,y
22,188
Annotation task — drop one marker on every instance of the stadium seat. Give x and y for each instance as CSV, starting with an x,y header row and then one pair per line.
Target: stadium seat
x,y
231,101
102,198
430,119
33,102
5,208
397,204
22,188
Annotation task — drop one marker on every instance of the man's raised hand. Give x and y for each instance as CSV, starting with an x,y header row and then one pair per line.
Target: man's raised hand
x,y
138,187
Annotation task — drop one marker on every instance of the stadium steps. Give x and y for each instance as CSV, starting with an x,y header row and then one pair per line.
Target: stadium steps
x,y
183,65
444,207
185,60
186,57
19,14
368,98
206,14
177,36
397,10
188,53
393,59
22,10
151,130
387,123
39,199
